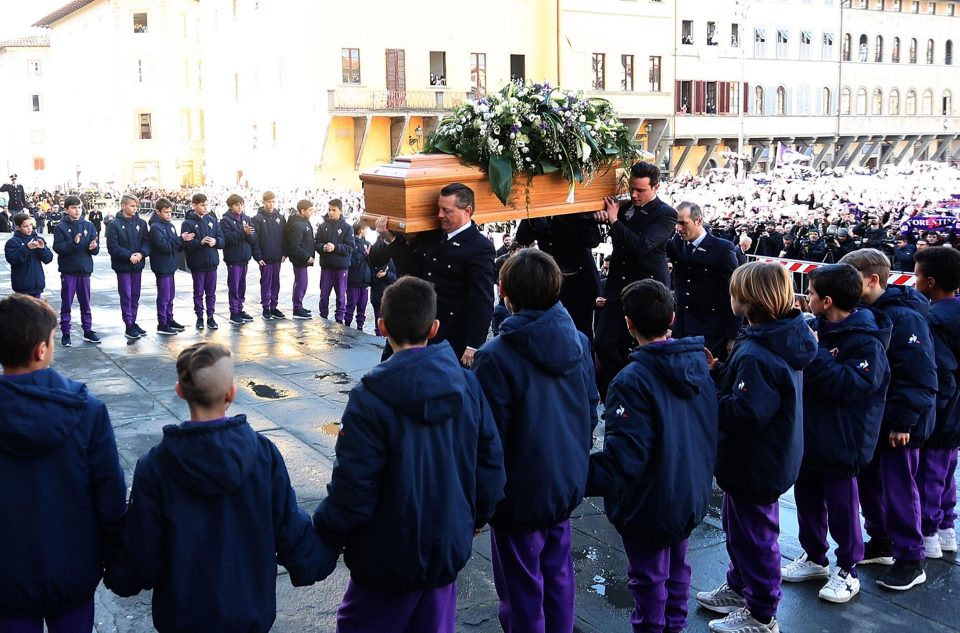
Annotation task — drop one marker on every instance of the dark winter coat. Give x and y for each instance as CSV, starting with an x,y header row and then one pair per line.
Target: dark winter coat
x,y
944,321
238,247
75,258
340,234
359,274
202,258
269,229
298,240
165,246
26,265
126,236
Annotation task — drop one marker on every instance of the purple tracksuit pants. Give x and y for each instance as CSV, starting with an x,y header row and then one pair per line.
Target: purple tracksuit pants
x,y
937,488
822,502
269,285
357,299
331,279
533,573
300,278
166,291
752,530
204,283
79,620
890,500
368,611
660,584
237,286
128,285
75,286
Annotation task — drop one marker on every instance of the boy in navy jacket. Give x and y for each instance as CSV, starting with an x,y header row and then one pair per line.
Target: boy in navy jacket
x,y
298,239
240,243
655,471
844,391
75,241
938,277
201,239
538,378
888,488
380,279
63,496
27,252
334,242
128,243
268,226
212,514
358,279
165,247
417,430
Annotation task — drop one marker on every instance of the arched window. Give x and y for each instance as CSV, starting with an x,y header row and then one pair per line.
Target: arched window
x,y
846,47
929,51
803,100
862,101
845,101
878,49
948,52
895,53
781,100
913,50
946,104
894,106
926,106
877,102
758,100
826,107
911,107
862,49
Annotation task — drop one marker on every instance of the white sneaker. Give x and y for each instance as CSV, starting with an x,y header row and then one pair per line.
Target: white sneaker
x,y
742,622
948,539
841,587
802,569
931,546
723,599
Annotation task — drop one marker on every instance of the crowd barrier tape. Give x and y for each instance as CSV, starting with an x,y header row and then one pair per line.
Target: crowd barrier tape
x,y
896,278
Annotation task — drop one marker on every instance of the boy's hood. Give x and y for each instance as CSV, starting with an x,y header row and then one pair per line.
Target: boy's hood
x,y
156,219
547,337
903,296
789,338
38,411
866,320
679,363
210,458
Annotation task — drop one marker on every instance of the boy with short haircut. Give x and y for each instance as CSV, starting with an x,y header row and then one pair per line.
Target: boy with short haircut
x,y
888,489
298,239
63,496
938,277
268,226
419,468
334,242
659,451
27,252
358,280
844,391
128,243
212,514
75,241
539,351
165,247
240,244
201,239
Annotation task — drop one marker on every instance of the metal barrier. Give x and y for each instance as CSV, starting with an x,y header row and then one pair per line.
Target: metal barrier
x,y
801,269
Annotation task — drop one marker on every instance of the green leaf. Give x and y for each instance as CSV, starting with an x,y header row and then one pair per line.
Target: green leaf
x,y
548,166
500,173
443,144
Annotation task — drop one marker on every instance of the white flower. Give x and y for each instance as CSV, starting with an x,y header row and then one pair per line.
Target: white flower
x,y
513,135
582,118
459,128
584,151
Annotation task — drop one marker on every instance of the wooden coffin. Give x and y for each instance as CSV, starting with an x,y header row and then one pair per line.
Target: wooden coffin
x,y
406,192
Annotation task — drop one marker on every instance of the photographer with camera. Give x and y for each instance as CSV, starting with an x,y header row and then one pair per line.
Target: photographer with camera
x,y
813,248
903,253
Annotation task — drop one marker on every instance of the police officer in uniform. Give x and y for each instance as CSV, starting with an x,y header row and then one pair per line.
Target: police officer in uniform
x,y
17,197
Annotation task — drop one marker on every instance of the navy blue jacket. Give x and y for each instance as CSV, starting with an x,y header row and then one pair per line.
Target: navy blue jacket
x,y
844,393
298,240
63,496
760,393
212,514
269,233
340,234
702,282
655,471
126,236
75,258
538,378
359,274
639,246
379,284
26,265
944,321
202,258
165,246
238,247
419,466
912,396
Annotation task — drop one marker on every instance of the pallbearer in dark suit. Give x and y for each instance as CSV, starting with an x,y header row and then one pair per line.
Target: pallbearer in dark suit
x,y
702,265
569,239
458,260
639,234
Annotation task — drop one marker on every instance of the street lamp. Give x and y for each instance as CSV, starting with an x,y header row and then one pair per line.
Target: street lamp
x,y
650,138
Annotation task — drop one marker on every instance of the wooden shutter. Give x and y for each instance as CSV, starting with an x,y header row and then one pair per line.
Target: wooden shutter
x,y
700,99
678,98
746,97
396,78
723,97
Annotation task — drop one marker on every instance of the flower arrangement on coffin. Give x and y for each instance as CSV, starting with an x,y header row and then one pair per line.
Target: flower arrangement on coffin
x,y
535,129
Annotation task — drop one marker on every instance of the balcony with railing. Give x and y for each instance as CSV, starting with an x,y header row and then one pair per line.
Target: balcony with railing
x,y
361,101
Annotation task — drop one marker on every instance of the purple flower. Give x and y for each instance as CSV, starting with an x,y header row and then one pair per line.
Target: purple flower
x,y
514,128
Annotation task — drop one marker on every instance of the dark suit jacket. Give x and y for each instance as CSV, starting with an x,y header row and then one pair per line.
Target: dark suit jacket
x,y
639,247
702,282
461,271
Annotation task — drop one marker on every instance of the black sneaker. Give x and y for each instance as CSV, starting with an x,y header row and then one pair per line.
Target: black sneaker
x,y
65,341
166,330
246,317
91,337
276,314
267,315
302,315
176,326
142,331
236,319
877,552
199,322
903,575
212,323
132,332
